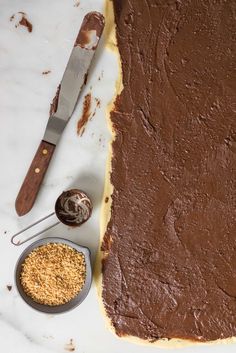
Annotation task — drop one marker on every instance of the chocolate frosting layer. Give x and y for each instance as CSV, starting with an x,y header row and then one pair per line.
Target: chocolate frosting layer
x,y
169,267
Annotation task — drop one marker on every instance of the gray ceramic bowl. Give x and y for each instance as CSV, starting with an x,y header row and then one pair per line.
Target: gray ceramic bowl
x,y
72,303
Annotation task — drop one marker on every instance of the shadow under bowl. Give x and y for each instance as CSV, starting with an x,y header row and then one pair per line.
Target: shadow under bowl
x,y
58,309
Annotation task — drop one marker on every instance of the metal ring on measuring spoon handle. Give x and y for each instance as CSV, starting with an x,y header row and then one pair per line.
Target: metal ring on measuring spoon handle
x,y
72,208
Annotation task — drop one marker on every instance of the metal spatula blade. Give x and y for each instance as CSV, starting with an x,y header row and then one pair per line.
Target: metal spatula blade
x,y
65,102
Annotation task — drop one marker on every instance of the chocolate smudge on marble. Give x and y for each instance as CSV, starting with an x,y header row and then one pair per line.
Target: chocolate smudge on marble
x,y
85,114
46,72
9,287
98,105
98,102
23,21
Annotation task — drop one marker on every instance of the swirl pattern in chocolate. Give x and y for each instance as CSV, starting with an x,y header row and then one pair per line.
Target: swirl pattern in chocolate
x,y
73,207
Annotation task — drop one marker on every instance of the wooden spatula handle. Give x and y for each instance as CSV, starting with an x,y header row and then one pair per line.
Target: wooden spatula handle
x,y
30,187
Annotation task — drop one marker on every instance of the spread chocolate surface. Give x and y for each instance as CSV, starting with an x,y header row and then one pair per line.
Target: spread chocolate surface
x,y
169,267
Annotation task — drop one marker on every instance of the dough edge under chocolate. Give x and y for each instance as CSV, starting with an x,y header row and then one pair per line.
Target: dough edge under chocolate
x,y
111,44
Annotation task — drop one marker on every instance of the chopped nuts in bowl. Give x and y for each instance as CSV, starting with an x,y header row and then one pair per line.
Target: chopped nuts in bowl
x,y
53,275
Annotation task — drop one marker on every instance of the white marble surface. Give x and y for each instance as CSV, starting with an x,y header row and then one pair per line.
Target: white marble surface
x,y
25,96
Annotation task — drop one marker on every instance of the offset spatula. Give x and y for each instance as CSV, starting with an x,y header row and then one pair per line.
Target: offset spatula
x,y
62,108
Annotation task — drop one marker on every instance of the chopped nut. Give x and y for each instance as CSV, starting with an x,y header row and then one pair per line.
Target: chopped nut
x,y
53,274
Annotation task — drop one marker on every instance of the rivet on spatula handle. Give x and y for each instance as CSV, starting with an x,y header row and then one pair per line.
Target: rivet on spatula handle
x,y
34,178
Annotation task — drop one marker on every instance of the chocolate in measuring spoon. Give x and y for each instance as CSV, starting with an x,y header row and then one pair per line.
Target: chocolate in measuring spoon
x,y
72,208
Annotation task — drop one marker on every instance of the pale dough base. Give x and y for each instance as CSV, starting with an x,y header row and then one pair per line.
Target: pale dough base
x,y
111,43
